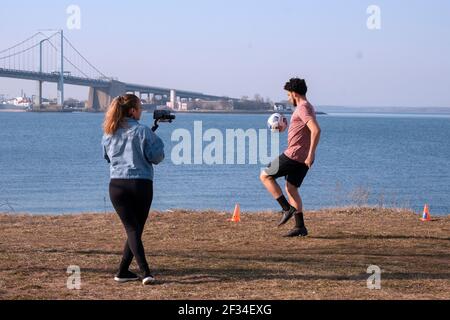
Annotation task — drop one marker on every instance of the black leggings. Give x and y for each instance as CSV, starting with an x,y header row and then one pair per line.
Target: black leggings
x,y
132,200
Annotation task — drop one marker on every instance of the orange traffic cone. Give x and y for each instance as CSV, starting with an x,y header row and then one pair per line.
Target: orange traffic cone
x,y
426,214
236,214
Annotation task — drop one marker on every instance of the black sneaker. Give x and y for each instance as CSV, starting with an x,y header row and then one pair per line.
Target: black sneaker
x,y
126,277
297,232
287,215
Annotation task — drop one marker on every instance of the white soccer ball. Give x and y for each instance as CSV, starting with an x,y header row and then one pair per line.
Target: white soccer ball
x,y
277,122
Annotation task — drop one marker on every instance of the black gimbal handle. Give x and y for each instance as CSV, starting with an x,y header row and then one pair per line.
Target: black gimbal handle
x,y
156,126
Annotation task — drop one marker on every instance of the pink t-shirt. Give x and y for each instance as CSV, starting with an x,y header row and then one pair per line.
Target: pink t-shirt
x,y
299,137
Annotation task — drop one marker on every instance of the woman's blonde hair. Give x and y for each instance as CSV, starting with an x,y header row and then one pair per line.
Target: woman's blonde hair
x,y
117,111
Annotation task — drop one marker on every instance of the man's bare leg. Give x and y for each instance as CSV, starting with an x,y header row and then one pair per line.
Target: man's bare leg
x,y
296,201
274,189
294,197
271,185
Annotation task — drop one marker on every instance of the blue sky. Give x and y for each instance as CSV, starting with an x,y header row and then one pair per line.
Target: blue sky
x,y
238,48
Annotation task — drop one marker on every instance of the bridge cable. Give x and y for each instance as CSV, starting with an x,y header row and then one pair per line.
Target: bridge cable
x,y
93,67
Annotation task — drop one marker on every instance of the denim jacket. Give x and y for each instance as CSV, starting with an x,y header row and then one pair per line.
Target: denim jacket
x,y
132,151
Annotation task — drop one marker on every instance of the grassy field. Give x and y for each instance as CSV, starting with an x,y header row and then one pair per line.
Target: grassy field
x,y
200,255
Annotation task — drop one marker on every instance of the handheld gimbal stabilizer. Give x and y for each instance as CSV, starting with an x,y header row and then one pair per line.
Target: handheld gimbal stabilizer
x,y
162,116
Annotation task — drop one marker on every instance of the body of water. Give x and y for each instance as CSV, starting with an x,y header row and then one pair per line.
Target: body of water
x,y
52,163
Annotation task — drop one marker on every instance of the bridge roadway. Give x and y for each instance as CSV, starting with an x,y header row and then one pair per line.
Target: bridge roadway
x,y
104,85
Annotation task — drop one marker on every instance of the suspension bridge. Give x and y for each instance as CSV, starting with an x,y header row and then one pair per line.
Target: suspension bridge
x,y
55,59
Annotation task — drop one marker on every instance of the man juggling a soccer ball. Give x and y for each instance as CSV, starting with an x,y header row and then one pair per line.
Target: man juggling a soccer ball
x,y
297,160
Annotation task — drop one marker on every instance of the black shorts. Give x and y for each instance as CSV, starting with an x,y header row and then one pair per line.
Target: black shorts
x,y
294,172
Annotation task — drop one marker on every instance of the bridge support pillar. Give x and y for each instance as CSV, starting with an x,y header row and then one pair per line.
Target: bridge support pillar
x,y
60,88
173,99
100,98
38,98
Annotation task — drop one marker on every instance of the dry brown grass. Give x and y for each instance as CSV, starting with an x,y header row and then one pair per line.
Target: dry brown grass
x,y
199,255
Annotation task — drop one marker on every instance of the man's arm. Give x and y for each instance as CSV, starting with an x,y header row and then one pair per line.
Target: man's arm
x,y
315,138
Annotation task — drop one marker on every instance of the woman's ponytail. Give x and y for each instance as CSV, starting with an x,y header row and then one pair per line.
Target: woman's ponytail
x,y
117,111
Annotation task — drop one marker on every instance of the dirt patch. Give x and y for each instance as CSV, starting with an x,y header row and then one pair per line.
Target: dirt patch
x,y
200,255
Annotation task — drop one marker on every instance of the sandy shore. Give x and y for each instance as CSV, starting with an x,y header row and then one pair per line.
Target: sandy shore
x,y
203,256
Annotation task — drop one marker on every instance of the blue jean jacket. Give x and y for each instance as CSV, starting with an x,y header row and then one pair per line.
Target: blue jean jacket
x,y
132,151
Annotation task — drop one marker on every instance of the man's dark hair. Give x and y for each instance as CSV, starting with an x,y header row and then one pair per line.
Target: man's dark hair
x,y
297,85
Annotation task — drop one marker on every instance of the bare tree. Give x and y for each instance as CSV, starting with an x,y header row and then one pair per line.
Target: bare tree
x,y
258,98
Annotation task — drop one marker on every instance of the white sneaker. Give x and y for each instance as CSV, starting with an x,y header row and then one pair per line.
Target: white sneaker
x,y
148,280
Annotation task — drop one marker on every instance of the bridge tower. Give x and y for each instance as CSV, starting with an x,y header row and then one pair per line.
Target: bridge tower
x,y
38,98
60,84
61,77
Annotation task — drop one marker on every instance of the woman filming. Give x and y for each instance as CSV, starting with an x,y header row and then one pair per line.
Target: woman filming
x,y
131,149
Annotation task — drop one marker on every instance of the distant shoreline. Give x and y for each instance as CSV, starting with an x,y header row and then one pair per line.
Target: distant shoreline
x,y
387,110
327,111
176,112
12,110
238,112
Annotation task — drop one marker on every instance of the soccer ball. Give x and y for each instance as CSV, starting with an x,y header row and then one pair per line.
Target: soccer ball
x,y
277,123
